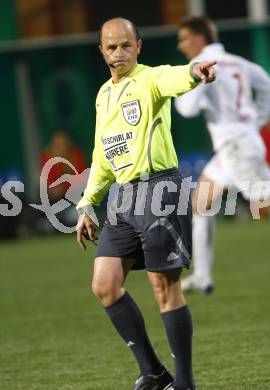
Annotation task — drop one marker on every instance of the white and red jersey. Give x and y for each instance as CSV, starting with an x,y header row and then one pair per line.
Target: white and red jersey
x,y
230,108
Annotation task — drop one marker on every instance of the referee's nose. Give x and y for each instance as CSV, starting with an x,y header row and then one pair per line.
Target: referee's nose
x,y
119,52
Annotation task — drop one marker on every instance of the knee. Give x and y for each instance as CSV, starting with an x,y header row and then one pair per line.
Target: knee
x,y
107,293
98,290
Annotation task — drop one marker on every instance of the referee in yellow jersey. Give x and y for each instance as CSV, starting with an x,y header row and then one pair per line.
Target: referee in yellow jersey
x,y
134,147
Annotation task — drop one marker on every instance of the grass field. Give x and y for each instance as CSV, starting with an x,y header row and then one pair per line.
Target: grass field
x,y
54,335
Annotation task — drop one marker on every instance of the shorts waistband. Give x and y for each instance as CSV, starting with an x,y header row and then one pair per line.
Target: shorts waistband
x,y
157,175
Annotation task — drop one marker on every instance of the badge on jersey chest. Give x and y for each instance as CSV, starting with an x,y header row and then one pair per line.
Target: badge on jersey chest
x,y
132,112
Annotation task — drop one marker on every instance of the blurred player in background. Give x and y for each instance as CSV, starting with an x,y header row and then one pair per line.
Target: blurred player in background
x,y
61,145
233,120
133,136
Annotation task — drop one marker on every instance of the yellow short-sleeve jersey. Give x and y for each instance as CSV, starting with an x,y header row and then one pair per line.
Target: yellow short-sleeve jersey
x,y
133,127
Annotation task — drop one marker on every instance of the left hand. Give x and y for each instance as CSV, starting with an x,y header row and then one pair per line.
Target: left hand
x,y
204,71
85,230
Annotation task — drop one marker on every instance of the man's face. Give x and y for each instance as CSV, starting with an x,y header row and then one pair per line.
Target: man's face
x,y
119,47
190,43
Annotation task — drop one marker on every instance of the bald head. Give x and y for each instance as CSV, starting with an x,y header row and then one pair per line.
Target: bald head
x,y
120,46
117,25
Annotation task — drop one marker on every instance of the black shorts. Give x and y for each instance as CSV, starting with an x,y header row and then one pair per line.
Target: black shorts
x,y
145,229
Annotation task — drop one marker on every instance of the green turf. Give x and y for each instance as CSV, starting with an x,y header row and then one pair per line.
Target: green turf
x,y
54,335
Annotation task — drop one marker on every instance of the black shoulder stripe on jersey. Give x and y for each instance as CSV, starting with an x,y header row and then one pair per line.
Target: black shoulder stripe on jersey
x,y
123,90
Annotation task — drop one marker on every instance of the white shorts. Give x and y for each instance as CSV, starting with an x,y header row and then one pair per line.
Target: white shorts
x,y
241,163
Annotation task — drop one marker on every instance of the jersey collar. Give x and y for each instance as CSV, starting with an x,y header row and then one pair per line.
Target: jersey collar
x,y
137,69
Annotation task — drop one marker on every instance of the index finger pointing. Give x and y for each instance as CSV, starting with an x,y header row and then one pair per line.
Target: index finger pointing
x,y
209,64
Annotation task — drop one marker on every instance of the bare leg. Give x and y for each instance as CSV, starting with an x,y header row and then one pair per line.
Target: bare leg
x,y
167,289
109,277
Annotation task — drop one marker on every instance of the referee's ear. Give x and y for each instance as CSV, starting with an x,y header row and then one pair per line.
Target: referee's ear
x,y
100,49
139,43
